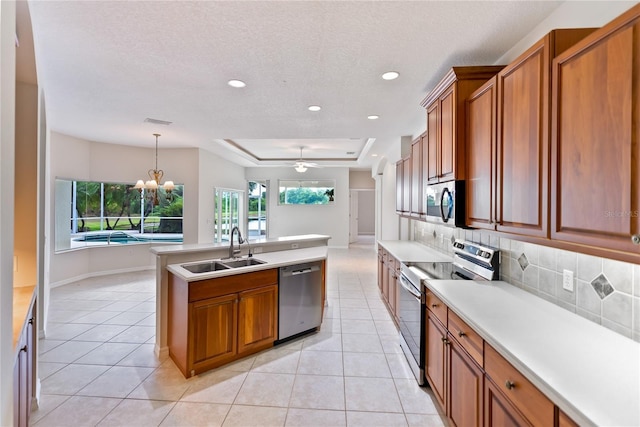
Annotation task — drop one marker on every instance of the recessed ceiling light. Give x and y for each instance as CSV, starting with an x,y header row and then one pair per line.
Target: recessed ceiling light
x,y
374,155
314,108
236,83
390,75
373,117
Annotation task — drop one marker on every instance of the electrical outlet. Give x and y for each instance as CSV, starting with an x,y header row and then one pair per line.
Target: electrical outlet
x,y
295,246
567,280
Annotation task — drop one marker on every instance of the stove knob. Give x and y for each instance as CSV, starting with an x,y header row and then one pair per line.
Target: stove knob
x,y
486,255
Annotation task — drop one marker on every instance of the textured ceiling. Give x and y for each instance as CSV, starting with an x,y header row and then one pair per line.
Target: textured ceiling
x,y
106,66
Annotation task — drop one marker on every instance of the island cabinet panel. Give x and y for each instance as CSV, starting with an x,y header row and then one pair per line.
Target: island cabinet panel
x,y
215,327
523,135
595,188
258,319
214,321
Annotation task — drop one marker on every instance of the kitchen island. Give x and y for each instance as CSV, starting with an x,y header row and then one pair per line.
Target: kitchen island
x,y
275,251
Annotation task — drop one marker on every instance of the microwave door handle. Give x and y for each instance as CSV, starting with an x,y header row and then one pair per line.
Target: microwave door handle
x,y
403,283
442,214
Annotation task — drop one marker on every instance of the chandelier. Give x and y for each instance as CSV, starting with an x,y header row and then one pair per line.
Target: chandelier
x,y
151,186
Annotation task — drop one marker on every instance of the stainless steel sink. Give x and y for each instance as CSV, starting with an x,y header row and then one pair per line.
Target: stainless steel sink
x,y
205,267
244,262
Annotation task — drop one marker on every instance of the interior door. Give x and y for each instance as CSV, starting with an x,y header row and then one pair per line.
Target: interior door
x,y
353,216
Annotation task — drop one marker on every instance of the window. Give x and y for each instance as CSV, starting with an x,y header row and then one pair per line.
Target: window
x,y
90,213
228,209
294,192
257,209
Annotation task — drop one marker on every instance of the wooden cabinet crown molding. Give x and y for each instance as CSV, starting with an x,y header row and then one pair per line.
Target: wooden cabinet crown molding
x,y
483,73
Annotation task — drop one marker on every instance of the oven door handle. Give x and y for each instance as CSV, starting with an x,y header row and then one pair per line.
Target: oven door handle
x,y
406,284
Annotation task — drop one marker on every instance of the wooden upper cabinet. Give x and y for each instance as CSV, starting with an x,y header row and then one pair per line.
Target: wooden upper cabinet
x,y
406,185
481,156
417,208
595,156
523,135
446,121
399,185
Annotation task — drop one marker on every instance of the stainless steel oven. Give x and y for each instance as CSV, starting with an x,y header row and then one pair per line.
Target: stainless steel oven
x,y
470,262
445,203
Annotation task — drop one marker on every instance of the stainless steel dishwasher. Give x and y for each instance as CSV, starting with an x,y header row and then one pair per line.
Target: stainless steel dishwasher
x,y
300,299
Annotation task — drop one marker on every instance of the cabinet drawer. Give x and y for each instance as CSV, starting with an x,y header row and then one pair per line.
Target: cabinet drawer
x,y
209,288
467,337
437,307
525,396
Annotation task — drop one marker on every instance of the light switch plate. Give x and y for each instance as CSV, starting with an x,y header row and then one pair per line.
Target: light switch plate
x,y
567,280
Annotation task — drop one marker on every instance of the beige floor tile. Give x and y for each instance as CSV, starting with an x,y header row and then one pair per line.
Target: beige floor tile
x,y
355,313
65,316
107,354
323,341
165,383
46,404
70,379
144,307
375,419
318,392
96,317
65,331
355,294
101,333
380,314
46,369
69,351
321,363
221,386
120,306
45,345
415,399
371,394
399,366
353,303
365,343
150,320
255,416
297,417
242,365
372,365
138,413
78,411
143,355
118,381
356,326
196,415
135,334
127,318
281,361
386,327
390,343
266,389
330,325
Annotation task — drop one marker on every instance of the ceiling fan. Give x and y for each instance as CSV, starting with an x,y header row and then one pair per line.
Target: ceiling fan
x,y
301,166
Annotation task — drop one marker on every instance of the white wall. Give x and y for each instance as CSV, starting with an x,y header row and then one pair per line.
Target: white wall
x,y
570,14
360,180
285,220
215,172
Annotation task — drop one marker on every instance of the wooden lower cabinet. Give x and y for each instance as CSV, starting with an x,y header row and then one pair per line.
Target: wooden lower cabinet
x,y
436,355
258,319
23,371
214,321
388,272
498,410
466,381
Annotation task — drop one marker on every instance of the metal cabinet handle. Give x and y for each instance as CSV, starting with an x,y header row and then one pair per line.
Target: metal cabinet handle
x,y
24,349
434,305
635,239
445,341
510,385
461,334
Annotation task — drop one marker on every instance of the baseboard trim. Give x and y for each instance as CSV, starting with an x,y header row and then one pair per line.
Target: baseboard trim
x,y
100,273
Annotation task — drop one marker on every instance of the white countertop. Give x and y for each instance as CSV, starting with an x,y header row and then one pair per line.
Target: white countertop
x,y
590,372
410,251
200,247
272,260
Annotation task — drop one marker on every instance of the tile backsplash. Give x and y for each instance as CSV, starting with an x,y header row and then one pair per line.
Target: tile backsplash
x,y
605,291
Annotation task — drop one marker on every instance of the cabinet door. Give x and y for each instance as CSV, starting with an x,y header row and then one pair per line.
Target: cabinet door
x,y
385,277
595,157
481,156
447,141
406,185
433,135
465,387
498,411
416,178
399,185
380,267
258,318
213,332
523,143
393,285
436,357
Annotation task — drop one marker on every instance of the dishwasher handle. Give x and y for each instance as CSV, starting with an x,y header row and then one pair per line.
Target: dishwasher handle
x,y
295,270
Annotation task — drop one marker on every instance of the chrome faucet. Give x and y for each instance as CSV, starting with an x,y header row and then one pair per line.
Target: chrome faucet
x,y
233,252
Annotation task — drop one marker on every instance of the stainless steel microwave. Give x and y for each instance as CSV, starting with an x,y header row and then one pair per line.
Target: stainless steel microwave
x,y
445,203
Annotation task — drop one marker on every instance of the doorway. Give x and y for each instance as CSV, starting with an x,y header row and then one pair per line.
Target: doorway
x,y
362,216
